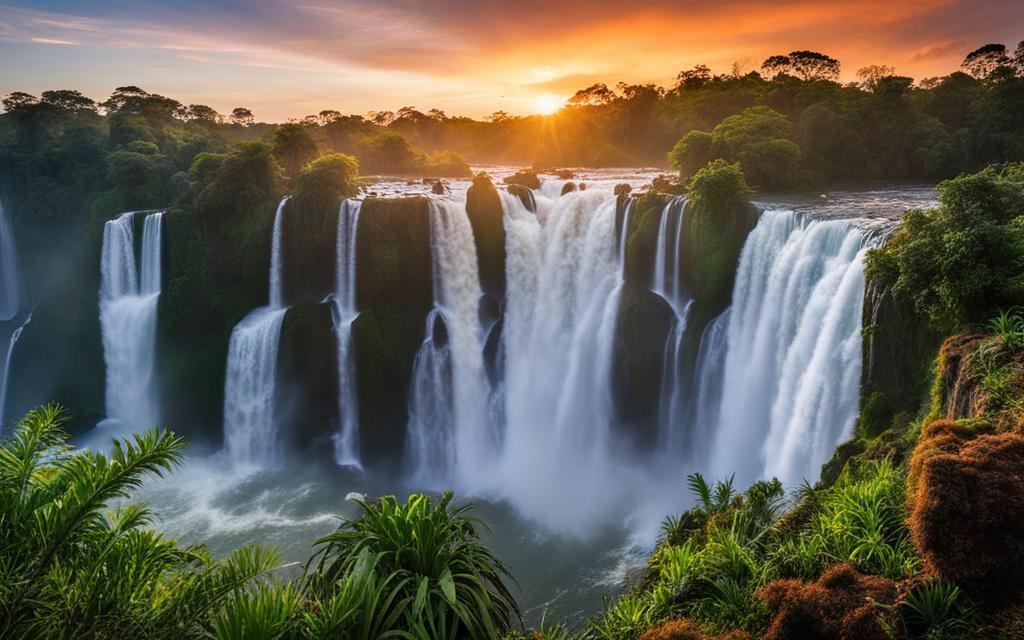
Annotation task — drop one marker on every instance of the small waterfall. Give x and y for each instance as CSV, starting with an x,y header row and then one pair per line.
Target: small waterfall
x,y
667,282
276,268
250,423
128,315
15,336
564,284
707,385
792,366
449,434
346,441
9,293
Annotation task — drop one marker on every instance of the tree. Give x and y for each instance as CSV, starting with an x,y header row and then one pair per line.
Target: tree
x,y
203,113
718,185
326,180
18,100
381,118
499,116
242,117
438,115
327,116
981,62
806,65
233,185
594,95
693,78
870,75
691,152
69,100
293,147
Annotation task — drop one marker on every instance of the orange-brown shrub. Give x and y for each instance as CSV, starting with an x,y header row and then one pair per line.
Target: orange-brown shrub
x,y
968,516
937,437
684,629
838,605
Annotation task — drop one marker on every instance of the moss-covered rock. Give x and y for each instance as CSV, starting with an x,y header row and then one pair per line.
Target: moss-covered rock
x,y
394,295
642,233
309,235
307,379
644,323
483,206
898,355
214,274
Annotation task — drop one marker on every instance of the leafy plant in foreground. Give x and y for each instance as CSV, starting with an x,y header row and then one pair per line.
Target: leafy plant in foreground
x,y
438,572
77,560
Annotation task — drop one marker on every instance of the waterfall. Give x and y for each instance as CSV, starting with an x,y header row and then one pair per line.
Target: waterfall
x,y
346,441
792,366
450,437
128,315
15,336
276,269
707,385
9,294
564,281
250,423
667,282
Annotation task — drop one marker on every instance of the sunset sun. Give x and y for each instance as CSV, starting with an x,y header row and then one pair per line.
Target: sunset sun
x,y
547,104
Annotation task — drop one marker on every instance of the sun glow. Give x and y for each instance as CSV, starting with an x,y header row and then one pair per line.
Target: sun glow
x,y
546,104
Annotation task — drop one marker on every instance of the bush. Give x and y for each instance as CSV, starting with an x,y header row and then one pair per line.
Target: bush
x,y
718,185
446,583
841,604
79,559
968,515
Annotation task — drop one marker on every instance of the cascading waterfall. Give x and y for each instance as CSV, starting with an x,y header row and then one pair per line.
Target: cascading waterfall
x,y
128,315
250,428
707,385
564,281
790,385
9,288
6,369
450,437
346,441
667,282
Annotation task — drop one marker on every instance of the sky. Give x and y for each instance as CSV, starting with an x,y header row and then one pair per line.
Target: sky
x,y
290,58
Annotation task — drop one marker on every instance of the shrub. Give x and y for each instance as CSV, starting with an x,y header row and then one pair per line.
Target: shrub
x,y
840,604
683,629
326,180
446,582
78,559
718,185
968,516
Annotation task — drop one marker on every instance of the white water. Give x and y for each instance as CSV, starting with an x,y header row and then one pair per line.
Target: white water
x,y
707,386
793,361
250,385
128,315
558,463
346,441
450,437
667,282
15,336
9,293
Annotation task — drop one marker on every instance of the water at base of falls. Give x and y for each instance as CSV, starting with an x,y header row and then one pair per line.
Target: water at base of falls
x,y
250,432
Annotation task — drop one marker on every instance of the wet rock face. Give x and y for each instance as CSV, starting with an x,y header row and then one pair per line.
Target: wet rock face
x,y
483,206
645,321
568,187
525,196
307,381
394,291
526,178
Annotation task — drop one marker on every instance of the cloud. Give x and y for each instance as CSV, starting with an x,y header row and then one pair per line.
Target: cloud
x,y
468,55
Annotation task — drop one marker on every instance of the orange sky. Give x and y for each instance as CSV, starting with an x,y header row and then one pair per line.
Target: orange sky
x,y
289,58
